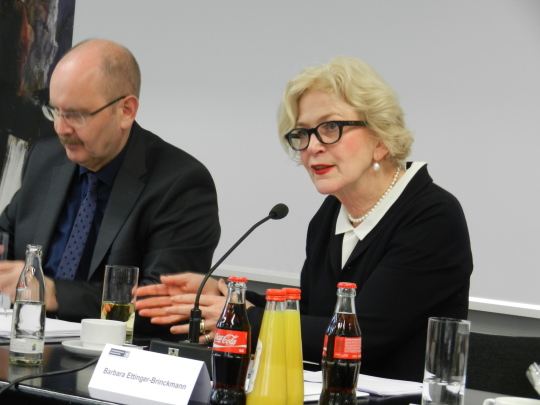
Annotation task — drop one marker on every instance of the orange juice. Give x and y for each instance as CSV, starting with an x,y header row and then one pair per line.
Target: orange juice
x,y
293,349
268,380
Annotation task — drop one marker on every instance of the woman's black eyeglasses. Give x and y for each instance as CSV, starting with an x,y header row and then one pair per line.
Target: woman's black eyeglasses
x,y
327,133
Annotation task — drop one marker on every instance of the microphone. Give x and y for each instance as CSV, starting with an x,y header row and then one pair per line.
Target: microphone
x,y
279,211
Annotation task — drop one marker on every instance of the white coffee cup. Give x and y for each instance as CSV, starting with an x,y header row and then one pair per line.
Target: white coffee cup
x,y
96,333
511,401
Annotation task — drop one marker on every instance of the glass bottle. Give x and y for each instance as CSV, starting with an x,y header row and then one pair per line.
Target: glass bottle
x,y
293,347
28,322
342,351
268,380
231,352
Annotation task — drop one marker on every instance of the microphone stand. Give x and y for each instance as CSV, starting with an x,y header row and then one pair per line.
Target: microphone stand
x,y
192,348
196,314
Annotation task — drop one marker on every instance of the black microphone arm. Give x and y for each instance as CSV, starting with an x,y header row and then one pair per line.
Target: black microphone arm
x,y
278,212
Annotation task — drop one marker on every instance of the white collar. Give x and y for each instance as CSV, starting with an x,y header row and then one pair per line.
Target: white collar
x,y
344,225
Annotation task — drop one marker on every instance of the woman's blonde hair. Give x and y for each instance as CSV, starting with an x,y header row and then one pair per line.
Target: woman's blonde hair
x,y
364,90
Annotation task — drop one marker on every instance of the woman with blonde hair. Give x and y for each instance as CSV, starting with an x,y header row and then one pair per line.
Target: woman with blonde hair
x,y
384,225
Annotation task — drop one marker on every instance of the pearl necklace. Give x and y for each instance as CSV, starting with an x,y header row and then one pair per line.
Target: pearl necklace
x,y
358,220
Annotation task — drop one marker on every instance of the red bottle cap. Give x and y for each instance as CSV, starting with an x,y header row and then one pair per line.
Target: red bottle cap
x,y
347,285
275,295
237,279
292,293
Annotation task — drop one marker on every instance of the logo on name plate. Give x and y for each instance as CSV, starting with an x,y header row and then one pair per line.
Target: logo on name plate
x,y
117,352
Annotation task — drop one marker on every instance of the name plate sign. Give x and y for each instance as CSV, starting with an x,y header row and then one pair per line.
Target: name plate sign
x,y
133,376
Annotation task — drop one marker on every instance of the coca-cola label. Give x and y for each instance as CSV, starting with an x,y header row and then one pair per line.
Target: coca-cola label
x,y
325,345
230,341
349,348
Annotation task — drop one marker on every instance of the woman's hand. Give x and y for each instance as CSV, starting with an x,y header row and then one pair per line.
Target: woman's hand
x,y
211,307
172,301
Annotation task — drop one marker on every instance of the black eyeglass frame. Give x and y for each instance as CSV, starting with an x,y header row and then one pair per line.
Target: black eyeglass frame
x,y
51,111
314,131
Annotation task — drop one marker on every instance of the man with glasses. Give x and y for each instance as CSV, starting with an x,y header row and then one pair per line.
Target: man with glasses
x,y
109,192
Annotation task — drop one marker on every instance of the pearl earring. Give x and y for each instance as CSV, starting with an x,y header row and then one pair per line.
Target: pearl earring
x,y
376,166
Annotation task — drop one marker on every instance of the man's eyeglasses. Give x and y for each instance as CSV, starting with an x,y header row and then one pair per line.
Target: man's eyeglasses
x,y
327,133
74,119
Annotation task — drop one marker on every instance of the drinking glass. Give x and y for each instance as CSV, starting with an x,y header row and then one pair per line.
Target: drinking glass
x,y
446,361
119,296
5,301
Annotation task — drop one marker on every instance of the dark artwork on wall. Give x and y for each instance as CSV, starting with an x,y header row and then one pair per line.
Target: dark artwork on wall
x,y
34,34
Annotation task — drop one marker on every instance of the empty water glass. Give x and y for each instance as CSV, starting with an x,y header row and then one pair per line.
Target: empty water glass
x,y
445,369
5,301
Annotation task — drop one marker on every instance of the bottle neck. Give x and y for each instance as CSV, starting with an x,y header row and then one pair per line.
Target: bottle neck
x,y
31,285
33,256
345,301
292,305
237,293
275,306
33,259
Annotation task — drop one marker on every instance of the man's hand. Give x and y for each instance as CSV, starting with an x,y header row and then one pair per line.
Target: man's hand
x,y
10,271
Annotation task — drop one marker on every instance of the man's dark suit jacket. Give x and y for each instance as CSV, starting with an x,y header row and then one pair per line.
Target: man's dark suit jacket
x,y
162,216
414,264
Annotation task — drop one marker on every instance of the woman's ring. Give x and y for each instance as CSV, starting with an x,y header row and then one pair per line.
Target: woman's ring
x,y
207,337
201,327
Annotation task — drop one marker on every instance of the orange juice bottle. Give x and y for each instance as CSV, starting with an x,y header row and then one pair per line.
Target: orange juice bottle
x,y
293,348
268,380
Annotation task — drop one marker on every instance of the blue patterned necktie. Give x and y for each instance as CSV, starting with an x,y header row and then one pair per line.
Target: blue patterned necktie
x,y
79,234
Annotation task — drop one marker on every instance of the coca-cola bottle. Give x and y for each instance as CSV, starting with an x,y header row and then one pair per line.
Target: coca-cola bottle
x,y
342,351
232,348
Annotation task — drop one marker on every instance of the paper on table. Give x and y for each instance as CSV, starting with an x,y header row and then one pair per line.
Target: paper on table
x,y
4,301
386,386
374,385
312,391
313,386
55,329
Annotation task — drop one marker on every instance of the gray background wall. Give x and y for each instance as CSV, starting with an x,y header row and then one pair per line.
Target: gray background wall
x,y
467,73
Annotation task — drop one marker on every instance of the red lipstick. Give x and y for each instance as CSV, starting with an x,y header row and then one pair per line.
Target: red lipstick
x,y
321,169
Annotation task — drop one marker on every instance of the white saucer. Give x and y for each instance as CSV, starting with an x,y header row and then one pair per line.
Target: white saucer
x,y
76,347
